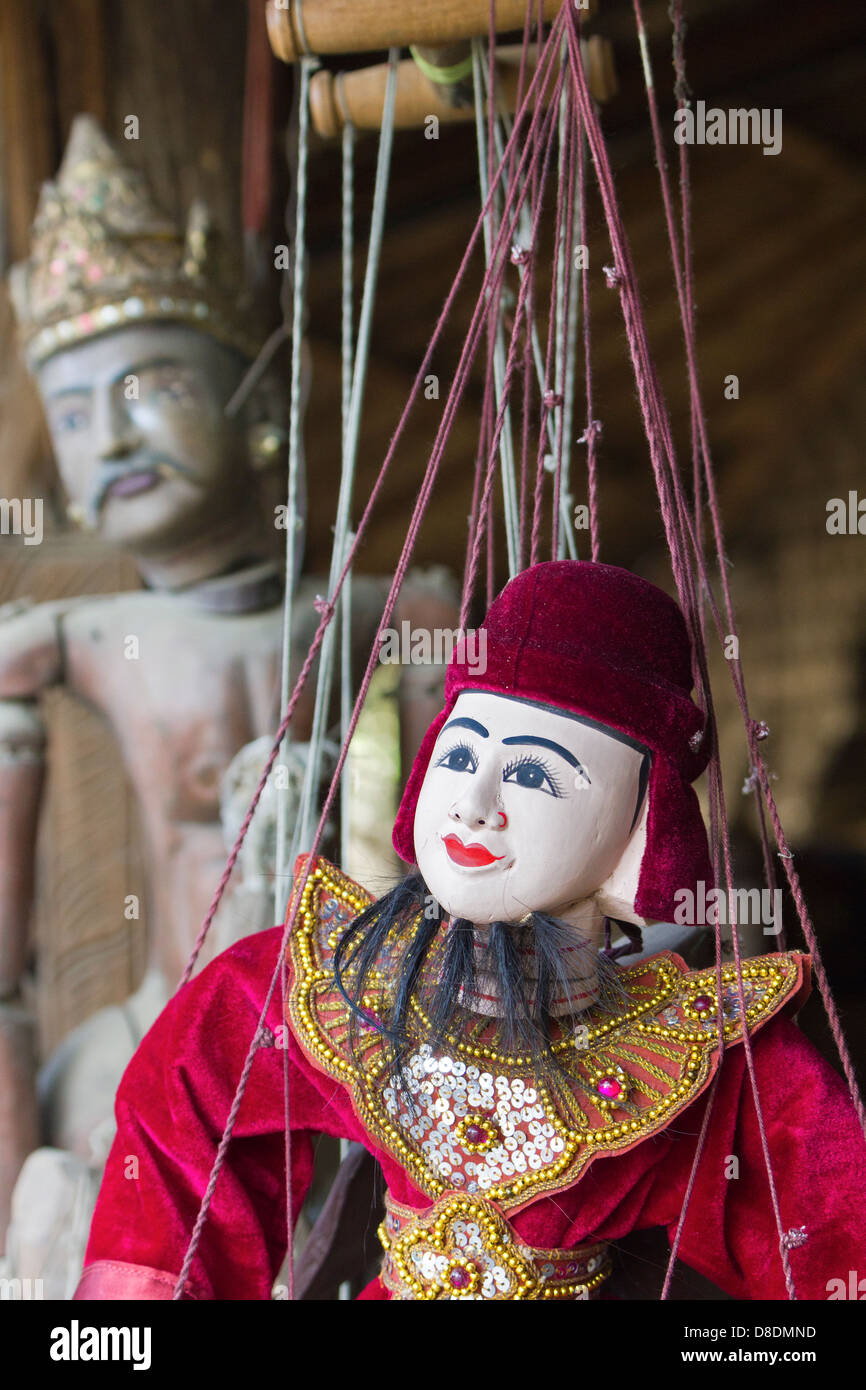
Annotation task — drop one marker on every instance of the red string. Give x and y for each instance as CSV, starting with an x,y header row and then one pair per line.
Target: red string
x,y
685,293
593,428
675,516
530,155
564,248
533,139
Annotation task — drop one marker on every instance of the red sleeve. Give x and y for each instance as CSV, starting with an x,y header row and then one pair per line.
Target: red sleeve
x,y
818,1157
171,1110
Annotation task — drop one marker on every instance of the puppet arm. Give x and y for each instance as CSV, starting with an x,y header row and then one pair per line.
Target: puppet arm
x,y
171,1108
818,1156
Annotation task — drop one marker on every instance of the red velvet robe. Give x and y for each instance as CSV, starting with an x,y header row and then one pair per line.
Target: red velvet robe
x,y
176,1094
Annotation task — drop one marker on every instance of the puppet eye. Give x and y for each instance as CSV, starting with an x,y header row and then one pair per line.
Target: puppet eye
x,y
461,758
533,773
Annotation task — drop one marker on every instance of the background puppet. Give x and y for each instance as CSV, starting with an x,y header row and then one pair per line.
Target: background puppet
x,y
529,1102
139,337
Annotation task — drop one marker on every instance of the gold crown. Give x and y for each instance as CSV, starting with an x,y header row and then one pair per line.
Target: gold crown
x,y
102,256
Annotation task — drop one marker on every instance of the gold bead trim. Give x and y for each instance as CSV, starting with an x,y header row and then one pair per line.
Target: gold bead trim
x,y
436,1235
661,1022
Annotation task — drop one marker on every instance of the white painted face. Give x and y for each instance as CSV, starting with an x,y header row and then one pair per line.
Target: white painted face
x,y
522,809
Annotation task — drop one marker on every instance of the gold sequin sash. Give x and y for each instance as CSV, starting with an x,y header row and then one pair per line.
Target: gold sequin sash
x,y
463,1247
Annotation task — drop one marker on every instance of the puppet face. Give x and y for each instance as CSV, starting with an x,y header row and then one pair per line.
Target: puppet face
x,y
523,809
140,434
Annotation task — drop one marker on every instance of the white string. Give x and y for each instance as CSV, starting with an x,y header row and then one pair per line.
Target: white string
x,y
348,267
506,443
292,519
304,828
346,592
502,127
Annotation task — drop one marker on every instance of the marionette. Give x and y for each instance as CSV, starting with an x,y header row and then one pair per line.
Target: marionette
x,y
530,1100
138,338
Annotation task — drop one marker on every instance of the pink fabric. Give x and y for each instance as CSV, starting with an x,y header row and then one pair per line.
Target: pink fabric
x,y
176,1093
598,641
112,1279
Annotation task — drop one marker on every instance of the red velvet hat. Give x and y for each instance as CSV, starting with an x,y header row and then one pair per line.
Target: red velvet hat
x,y
601,642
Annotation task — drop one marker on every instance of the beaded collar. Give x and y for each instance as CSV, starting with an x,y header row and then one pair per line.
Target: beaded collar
x,y
478,1120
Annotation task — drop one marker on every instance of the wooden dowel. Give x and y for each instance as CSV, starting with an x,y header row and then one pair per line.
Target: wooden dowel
x,y
337,98
297,27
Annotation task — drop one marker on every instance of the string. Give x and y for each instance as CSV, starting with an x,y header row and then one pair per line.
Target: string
x,y
552,399
529,155
682,530
324,684
327,608
485,174
754,730
621,275
299,295
593,428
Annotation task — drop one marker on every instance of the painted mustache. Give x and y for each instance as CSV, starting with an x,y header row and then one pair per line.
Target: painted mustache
x,y
142,465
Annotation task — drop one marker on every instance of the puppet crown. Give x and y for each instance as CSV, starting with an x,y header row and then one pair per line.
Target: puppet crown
x,y
103,256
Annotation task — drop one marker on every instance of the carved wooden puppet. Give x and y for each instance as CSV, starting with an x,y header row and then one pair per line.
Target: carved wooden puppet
x,y
138,340
530,1100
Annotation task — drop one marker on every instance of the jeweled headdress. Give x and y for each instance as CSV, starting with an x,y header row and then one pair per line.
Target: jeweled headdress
x,y
102,256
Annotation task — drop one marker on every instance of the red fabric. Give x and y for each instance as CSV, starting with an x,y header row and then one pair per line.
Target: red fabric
x,y
177,1091
601,642
112,1279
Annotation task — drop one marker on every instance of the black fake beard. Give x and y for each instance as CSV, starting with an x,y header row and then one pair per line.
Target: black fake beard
x,y
407,930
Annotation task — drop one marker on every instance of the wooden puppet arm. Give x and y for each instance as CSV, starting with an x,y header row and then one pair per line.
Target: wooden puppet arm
x,y
29,661
21,776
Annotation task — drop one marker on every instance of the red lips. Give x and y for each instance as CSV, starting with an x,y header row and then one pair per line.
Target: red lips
x,y
470,856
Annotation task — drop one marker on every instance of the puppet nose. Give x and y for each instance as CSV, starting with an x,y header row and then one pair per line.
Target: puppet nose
x,y
479,806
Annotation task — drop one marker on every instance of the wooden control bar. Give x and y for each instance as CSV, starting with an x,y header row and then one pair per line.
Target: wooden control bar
x,y
298,27
337,99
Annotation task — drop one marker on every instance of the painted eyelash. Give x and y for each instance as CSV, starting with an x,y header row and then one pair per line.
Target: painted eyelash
x,y
527,760
459,748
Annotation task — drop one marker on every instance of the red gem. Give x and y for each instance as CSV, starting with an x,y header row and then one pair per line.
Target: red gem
x,y
476,1134
459,1278
609,1087
703,1003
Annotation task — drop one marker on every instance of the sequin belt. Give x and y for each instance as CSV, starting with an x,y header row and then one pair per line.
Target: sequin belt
x,y
463,1247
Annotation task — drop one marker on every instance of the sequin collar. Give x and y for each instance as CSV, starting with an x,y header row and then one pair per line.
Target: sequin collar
x,y
479,1121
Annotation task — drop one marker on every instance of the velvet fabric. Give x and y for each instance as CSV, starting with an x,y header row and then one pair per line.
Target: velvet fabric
x,y
178,1089
598,641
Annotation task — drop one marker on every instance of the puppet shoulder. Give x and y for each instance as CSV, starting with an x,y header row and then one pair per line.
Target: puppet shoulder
x,y
685,1003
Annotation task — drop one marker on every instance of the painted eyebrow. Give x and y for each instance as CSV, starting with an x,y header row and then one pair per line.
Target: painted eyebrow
x,y
548,743
145,365
464,723
70,391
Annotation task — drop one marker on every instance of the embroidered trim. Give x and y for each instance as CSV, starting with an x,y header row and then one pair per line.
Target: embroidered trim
x,y
463,1248
480,1122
